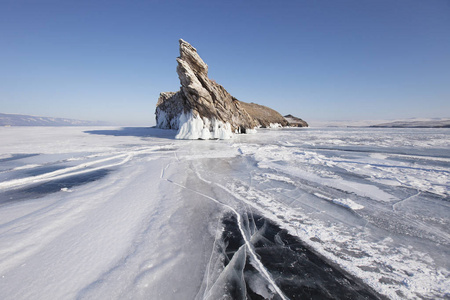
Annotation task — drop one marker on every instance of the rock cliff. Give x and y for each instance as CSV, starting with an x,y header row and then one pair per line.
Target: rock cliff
x,y
203,109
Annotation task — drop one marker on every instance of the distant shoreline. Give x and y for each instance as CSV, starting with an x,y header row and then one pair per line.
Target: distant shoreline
x,y
9,120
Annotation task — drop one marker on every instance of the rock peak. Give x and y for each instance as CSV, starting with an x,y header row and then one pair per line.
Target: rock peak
x,y
186,44
189,55
203,109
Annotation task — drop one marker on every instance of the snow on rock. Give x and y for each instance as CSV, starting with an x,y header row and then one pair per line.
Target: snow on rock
x,y
168,110
193,128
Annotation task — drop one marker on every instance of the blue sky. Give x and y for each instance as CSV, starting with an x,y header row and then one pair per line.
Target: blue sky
x,y
319,60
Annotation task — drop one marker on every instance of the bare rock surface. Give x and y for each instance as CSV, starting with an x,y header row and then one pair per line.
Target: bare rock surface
x,y
264,115
295,122
203,108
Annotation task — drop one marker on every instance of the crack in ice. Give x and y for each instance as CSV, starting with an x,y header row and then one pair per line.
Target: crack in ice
x,y
260,265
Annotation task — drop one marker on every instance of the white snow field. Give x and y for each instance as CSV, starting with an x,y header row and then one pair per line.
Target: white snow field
x,y
133,213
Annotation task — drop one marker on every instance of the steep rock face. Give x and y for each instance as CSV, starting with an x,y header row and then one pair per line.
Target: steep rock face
x,y
204,109
204,96
295,122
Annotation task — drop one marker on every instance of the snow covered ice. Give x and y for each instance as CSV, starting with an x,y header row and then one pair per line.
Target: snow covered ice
x,y
133,213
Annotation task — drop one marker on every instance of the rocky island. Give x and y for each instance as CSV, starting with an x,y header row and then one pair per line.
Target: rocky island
x,y
203,109
295,122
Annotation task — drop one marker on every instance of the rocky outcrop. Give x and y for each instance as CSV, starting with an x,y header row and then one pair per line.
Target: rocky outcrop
x,y
265,116
203,109
169,107
295,122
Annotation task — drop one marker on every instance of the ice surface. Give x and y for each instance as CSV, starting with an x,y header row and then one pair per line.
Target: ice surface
x,y
275,125
113,213
194,128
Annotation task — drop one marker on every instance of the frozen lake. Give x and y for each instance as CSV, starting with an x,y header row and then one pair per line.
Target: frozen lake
x,y
132,213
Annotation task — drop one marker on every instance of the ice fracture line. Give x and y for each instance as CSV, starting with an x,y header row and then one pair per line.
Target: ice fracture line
x,y
261,267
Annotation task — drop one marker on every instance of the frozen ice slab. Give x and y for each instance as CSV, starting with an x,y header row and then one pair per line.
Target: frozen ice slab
x,y
88,213
296,270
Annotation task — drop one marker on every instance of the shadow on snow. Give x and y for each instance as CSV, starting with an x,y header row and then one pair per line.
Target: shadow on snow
x,y
138,132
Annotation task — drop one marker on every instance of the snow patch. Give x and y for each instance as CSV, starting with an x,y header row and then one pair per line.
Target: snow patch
x,y
278,178
342,202
31,166
348,204
5,156
275,125
378,156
